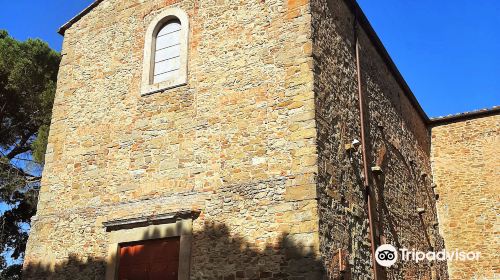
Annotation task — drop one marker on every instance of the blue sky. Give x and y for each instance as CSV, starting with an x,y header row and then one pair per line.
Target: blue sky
x,y
447,50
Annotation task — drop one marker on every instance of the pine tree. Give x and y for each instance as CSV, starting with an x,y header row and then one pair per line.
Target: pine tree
x,y
28,74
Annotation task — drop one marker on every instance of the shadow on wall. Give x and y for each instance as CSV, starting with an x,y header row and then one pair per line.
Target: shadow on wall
x,y
216,254
74,267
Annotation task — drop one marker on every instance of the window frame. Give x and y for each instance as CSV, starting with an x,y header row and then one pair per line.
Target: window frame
x,y
148,87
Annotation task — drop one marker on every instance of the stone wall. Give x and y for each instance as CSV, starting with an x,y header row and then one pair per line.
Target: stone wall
x,y
255,142
465,167
236,143
397,140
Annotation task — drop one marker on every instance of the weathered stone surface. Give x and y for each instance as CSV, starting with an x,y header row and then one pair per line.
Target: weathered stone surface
x,y
465,167
221,144
256,142
397,140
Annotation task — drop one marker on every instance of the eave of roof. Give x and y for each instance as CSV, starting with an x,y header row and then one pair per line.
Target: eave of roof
x,y
465,116
72,21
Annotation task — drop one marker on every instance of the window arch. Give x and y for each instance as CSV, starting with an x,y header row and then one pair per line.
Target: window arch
x,y
165,52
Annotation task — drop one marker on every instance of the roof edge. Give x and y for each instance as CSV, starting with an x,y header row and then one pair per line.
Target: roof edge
x,y
495,110
76,18
379,46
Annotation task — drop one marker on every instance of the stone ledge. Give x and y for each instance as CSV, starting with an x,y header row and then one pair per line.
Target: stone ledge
x,y
150,220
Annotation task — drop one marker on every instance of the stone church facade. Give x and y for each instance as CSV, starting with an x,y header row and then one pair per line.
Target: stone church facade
x,y
250,154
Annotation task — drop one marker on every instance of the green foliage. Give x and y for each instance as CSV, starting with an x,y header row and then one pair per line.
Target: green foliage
x,y
39,145
12,272
28,74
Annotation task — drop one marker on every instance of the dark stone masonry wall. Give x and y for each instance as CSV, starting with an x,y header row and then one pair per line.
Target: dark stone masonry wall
x,y
397,140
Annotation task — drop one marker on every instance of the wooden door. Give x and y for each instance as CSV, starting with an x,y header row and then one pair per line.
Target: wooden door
x,y
156,259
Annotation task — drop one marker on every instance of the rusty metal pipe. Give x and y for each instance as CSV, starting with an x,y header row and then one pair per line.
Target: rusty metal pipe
x,y
366,181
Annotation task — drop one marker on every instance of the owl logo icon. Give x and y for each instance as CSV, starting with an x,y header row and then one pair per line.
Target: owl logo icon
x,y
386,255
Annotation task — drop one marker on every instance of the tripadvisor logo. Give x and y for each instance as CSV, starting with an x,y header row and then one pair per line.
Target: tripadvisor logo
x,y
386,255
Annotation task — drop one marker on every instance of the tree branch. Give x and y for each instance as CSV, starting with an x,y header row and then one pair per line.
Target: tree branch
x,y
21,146
21,172
17,150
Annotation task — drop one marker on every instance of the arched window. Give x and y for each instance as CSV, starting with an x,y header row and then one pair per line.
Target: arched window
x,y
165,52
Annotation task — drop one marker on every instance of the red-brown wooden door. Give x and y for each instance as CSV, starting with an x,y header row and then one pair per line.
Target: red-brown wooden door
x,y
156,259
